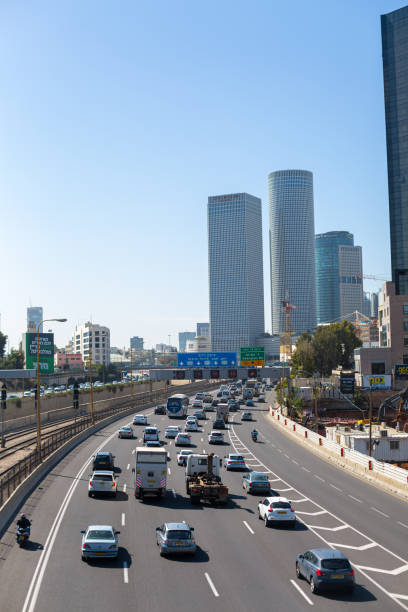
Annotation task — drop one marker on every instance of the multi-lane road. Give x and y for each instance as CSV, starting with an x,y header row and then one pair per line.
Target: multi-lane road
x,y
240,565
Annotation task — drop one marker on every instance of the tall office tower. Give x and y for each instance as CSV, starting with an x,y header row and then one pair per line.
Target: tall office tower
x,y
183,337
136,343
374,305
235,271
34,317
203,329
351,280
394,30
292,249
366,303
327,273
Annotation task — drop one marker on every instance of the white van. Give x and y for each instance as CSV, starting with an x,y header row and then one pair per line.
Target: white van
x,y
151,433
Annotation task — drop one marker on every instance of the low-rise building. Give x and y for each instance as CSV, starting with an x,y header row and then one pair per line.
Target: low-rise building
x,y
388,444
393,323
136,343
68,361
199,344
373,362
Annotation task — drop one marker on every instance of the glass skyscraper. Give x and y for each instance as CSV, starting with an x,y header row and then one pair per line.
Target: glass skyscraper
x,y
34,317
235,269
394,30
292,249
327,273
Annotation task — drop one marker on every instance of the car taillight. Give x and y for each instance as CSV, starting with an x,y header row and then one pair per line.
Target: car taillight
x,y
90,483
113,484
292,510
319,573
351,572
270,509
86,546
112,547
223,490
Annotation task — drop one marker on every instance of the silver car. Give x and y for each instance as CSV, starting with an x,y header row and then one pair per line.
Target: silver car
x,y
125,432
99,541
175,538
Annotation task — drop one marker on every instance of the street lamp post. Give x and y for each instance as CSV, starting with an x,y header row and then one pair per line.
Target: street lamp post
x,y
370,426
131,377
38,385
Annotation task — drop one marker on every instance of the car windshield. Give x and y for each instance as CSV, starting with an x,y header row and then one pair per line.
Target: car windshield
x,y
186,452
236,458
102,477
178,535
335,564
281,504
260,477
216,434
100,534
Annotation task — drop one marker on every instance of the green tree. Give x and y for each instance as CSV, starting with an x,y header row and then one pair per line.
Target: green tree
x,y
3,342
14,361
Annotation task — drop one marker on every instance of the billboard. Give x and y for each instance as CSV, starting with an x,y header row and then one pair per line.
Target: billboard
x,y
382,381
252,355
46,352
347,383
194,360
401,371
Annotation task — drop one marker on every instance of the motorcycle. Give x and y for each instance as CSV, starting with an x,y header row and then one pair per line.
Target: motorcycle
x,y
22,535
254,437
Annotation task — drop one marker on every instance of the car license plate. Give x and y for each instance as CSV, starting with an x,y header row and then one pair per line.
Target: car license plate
x,y
282,512
99,553
337,575
179,543
151,480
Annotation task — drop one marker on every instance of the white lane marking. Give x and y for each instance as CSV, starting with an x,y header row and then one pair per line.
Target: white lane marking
x,y
334,487
248,527
287,456
395,572
339,528
133,451
125,573
169,471
312,513
398,596
38,576
123,519
202,439
124,488
279,450
295,462
363,547
170,443
309,601
306,470
174,493
380,512
356,499
402,524
212,587
128,466
319,477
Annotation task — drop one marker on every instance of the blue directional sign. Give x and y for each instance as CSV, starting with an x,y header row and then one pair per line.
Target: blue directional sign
x,y
206,360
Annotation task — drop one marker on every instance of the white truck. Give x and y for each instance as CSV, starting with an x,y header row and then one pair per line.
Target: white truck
x,y
150,472
203,481
222,412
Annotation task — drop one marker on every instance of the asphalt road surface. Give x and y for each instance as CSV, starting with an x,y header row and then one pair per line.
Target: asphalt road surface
x,y
241,565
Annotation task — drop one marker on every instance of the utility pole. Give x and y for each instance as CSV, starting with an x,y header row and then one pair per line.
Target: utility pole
x,y
370,416
91,389
3,408
131,377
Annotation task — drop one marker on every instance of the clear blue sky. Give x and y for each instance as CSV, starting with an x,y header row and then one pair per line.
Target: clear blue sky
x,y
118,119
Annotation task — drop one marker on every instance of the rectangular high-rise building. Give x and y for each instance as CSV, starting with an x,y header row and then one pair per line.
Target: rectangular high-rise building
x,y
351,280
92,340
203,330
136,343
394,30
183,337
34,317
235,269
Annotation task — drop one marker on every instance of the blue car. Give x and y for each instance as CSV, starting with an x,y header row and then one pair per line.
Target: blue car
x,y
325,568
249,403
256,482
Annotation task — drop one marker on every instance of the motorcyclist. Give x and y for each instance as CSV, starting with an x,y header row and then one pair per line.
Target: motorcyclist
x,y
24,523
254,433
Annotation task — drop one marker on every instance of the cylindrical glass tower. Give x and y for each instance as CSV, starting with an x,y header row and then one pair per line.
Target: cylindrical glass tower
x,y
292,249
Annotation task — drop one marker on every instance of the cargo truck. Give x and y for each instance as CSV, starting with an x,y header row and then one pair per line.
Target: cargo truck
x,y
203,481
222,412
150,472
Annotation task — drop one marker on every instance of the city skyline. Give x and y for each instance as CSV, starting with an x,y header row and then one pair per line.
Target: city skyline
x,y
94,168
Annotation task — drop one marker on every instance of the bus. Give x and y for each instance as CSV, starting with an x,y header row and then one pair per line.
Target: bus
x,y
177,406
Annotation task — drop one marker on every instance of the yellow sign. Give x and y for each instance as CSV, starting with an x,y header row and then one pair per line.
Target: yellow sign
x,y
253,362
377,380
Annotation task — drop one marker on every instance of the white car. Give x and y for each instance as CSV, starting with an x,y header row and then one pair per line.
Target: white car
x,y
197,404
102,481
191,426
276,510
182,456
172,431
216,437
140,419
182,439
233,461
99,541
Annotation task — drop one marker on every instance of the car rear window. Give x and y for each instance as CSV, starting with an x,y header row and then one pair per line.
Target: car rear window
x,y
262,477
216,434
237,458
178,535
335,564
102,477
281,505
100,535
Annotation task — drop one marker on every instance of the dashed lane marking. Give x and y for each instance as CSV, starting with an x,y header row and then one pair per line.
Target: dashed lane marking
x,y
169,471
380,512
402,524
124,488
125,572
128,466
334,487
305,469
319,477
248,527
123,519
356,499
212,587
309,601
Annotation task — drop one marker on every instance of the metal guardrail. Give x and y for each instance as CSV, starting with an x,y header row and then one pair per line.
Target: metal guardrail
x,y
11,478
369,463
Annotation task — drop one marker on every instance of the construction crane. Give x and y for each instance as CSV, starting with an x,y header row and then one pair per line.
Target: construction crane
x,y
286,338
373,277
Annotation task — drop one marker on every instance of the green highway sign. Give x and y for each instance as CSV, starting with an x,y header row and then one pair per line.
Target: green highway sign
x,y
46,352
252,355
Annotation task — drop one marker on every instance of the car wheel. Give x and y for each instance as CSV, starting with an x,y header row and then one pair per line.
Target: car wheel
x,y
350,590
298,572
259,515
83,558
313,586
161,552
267,523
89,494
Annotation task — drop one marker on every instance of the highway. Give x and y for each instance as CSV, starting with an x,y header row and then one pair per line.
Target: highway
x,y
240,565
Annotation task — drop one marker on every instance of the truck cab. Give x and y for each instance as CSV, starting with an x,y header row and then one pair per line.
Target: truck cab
x,y
150,472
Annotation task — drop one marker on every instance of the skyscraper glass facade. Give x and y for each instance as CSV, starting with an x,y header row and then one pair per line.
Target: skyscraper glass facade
x,y
292,249
203,329
183,337
34,318
327,273
394,29
235,268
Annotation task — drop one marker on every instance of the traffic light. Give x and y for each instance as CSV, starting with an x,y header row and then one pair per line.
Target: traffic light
x,y
3,396
252,373
76,396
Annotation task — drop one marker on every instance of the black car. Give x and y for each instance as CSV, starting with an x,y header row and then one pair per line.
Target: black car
x,y
160,409
103,461
218,424
215,402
